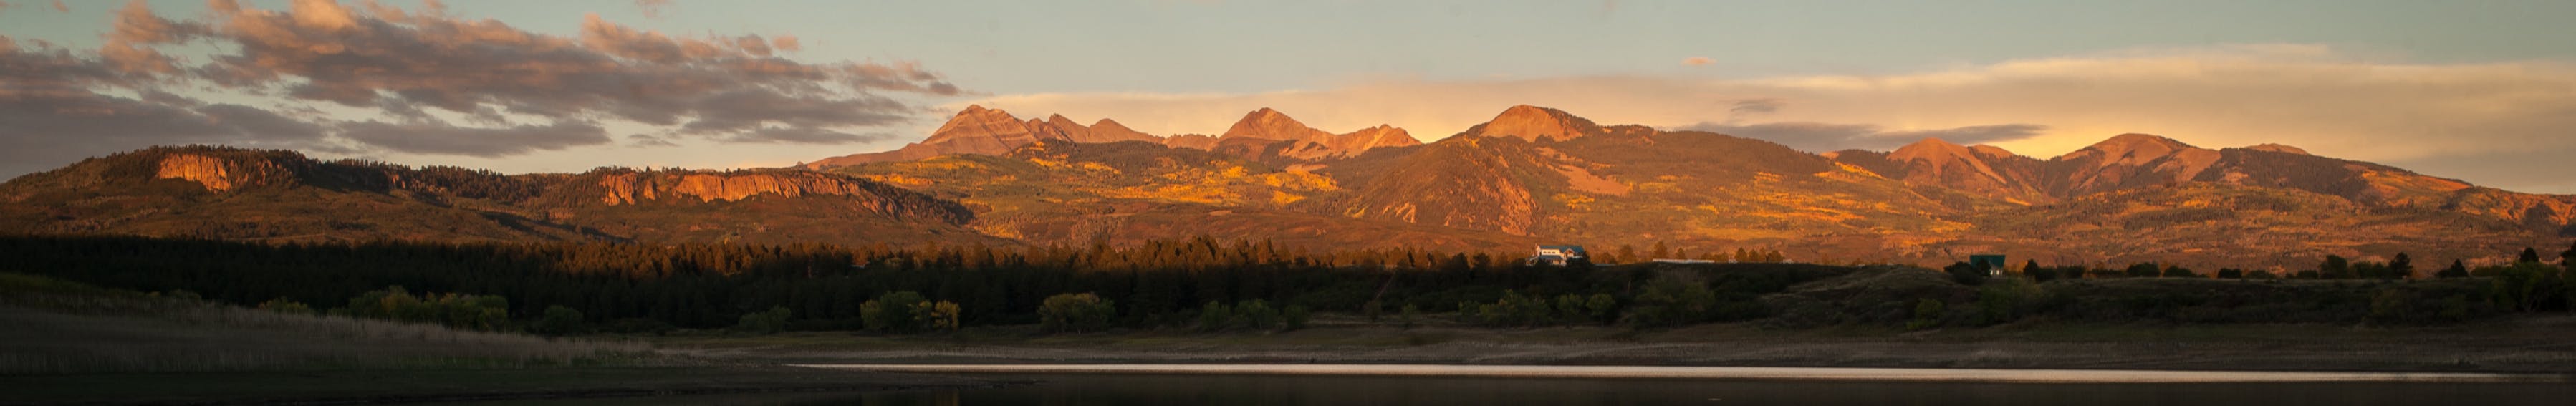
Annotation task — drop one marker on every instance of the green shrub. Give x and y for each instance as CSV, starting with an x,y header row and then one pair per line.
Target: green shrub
x,y
1410,315
1215,317
1927,314
1075,312
558,320
1295,317
283,305
1257,314
893,312
764,322
1668,303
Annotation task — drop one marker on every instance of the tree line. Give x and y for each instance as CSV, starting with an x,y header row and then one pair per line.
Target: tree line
x,y
640,287
571,287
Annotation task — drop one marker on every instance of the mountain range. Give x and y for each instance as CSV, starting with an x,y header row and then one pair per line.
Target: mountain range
x,y
1530,175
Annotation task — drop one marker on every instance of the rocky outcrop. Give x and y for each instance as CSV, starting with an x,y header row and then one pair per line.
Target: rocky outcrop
x,y
221,174
1534,123
628,187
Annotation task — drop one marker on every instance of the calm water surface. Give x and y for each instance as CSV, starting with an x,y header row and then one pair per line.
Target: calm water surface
x,y
1232,389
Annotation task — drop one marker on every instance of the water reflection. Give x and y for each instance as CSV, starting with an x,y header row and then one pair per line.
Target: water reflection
x,y
1392,390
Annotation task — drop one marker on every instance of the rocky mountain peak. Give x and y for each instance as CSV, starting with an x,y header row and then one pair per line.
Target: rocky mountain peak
x,y
1107,130
1933,158
1270,124
2132,148
1531,122
1380,136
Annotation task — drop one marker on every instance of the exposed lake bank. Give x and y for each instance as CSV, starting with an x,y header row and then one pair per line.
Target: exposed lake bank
x,y
2519,346
454,385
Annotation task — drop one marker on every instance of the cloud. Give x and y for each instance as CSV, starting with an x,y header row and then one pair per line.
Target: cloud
x,y
383,57
252,120
2436,118
1755,106
796,135
474,87
1696,61
52,117
652,8
438,138
1811,136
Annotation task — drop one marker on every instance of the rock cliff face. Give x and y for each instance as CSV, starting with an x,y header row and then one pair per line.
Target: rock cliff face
x,y
220,174
626,187
1531,123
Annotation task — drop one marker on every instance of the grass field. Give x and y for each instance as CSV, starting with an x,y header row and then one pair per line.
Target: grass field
x,y
69,343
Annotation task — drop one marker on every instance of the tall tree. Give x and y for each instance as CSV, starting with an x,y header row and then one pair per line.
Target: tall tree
x,y
2334,267
2528,255
2401,267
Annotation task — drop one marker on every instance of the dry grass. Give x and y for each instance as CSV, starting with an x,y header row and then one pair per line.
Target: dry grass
x,y
57,328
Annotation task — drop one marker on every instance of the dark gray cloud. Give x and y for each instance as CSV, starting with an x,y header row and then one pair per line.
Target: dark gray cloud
x,y
1820,137
443,85
265,124
410,64
440,138
50,116
1756,106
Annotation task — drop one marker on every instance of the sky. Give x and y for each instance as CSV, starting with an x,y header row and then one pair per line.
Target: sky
x,y
2483,91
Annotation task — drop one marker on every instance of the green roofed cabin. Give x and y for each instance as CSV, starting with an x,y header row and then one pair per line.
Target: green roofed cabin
x,y
1993,263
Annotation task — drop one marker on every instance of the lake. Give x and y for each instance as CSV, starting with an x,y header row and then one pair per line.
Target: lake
x,y
1536,385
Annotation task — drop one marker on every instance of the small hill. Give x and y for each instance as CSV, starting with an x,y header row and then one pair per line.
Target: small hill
x,y
245,194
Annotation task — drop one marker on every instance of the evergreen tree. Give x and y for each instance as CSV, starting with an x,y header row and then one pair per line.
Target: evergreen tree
x,y
2401,267
2567,259
2528,255
2144,270
2177,271
2457,270
1661,251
